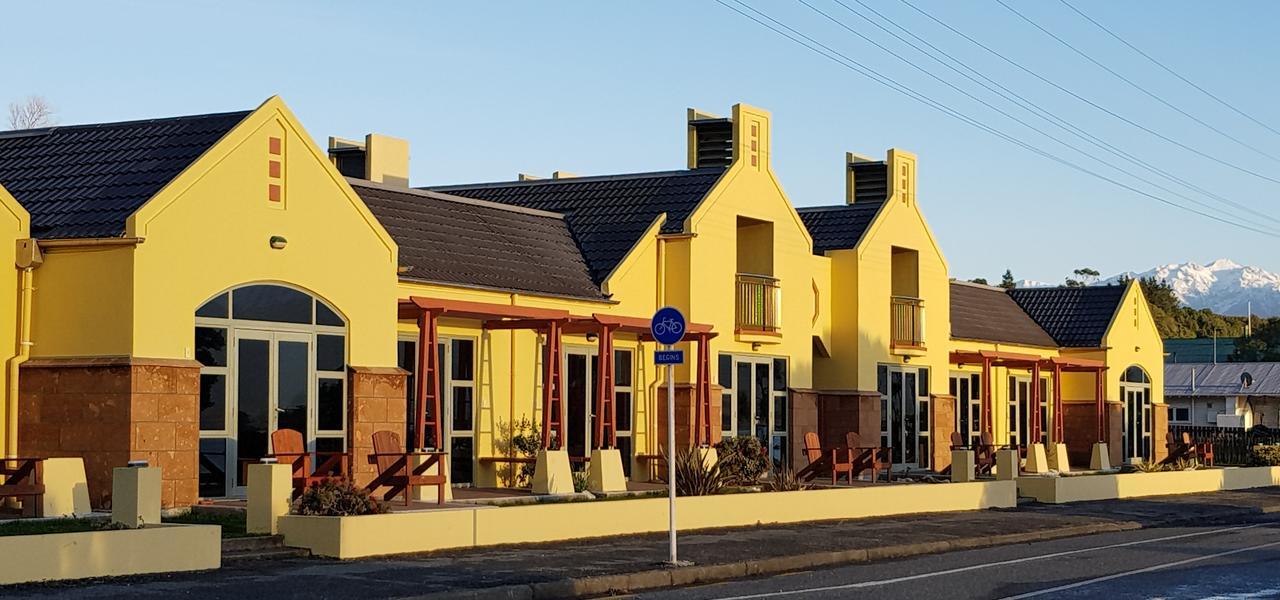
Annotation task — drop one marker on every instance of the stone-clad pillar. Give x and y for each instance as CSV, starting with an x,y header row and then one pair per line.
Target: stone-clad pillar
x,y
377,403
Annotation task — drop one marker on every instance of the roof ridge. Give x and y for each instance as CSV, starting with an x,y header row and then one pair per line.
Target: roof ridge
x,y
424,193
576,179
982,286
835,207
52,128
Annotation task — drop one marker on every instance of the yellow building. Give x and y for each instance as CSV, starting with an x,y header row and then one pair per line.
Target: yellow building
x,y
186,287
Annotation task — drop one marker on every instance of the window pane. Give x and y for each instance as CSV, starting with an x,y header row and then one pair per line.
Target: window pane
x,y
211,346
329,401
924,416
291,386
726,412
624,448
213,467
463,368
330,444
461,454
406,358
407,355
780,413
253,393
214,309
744,399
622,368
726,371
213,402
331,353
882,379
924,382
326,316
779,374
271,303
462,408
622,402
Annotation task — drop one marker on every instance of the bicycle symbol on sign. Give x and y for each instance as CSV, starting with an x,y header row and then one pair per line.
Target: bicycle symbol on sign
x,y
668,325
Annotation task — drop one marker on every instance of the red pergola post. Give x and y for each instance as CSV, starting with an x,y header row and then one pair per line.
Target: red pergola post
x,y
428,383
605,415
1057,404
702,393
986,397
1099,393
552,395
1036,434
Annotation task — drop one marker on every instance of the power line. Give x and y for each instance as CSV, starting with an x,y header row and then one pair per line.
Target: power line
x,y
1091,103
1135,86
852,65
1168,69
1002,112
1029,106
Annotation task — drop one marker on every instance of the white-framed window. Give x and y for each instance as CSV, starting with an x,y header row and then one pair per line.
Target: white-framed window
x,y
457,359
755,400
1179,414
624,404
966,388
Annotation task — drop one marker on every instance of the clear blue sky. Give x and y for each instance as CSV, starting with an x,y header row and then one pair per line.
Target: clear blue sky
x,y
484,91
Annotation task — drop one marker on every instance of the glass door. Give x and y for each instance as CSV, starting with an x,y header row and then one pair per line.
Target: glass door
x,y
1019,411
756,401
272,383
904,414
1137,419
967,390
580,398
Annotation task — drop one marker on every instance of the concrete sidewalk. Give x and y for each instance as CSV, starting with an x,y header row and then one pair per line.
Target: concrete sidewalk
x,y
592,567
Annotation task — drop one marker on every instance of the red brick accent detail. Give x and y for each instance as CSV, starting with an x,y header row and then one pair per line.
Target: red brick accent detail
x,y
273,192
111,411
273,168
377,403
274,146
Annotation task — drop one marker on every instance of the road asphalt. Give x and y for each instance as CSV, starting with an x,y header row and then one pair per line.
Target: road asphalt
x,y
1167,563
634,563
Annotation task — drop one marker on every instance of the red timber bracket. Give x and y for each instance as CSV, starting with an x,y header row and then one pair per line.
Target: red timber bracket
x,y
1059,431
428,392
1099,397
1036,434
552,392
702,393
606,430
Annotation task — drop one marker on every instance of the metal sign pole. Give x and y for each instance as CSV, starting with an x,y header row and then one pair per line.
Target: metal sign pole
x,y
671,455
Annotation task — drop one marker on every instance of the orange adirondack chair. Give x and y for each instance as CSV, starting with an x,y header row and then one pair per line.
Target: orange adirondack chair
x,y
984,454
396,472
870,457
840,460
288,448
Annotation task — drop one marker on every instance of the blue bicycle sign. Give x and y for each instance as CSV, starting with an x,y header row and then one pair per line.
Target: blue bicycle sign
x,y
667,326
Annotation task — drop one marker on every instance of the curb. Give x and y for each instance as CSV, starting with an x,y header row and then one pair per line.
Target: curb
x,y
601,585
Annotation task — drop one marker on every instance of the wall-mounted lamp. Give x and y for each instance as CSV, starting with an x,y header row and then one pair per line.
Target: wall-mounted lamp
x,y
591,337
278,242
906,359
755,346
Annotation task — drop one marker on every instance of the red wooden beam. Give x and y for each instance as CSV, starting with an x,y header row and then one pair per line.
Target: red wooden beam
x,y
1099,397
986,397
1057,405
428,383
702,395
605,416
552,394
1035,404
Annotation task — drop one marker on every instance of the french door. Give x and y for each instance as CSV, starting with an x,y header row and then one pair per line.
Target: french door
x,y
580,372
904,414
1019,410
755,401
966,388
1137,421
271,389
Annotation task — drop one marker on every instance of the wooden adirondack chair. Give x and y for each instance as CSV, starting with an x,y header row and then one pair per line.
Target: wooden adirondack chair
x,y
984,454
957,441
288,449
838,460
870,457
1190,450
395,469
24,479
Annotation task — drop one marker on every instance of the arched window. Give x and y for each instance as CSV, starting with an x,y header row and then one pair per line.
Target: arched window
x,y
272,357
1134,374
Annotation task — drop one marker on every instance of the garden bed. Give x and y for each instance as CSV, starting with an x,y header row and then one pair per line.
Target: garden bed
x,y
45,555
1058,490
465,527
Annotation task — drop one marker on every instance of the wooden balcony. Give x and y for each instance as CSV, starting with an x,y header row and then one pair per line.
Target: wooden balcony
x,y
759,305
907,319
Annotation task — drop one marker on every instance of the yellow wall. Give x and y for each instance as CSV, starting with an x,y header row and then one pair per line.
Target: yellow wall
x,y
1132,339
83,304
154,549
15,224
208,230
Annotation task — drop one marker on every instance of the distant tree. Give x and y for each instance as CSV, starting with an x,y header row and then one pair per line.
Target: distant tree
x,y
982,280
1262,346
1173,320
33,112
1006,280
1084,276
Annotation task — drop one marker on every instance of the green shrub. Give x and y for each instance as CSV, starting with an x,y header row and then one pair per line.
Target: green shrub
x,y
580,481
784,480
742,460
1265,455
694,477
336,497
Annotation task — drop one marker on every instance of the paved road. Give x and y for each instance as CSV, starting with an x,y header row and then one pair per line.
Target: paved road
x,y
1234,562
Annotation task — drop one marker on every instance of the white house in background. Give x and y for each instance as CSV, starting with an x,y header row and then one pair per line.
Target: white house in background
x,y
1241,394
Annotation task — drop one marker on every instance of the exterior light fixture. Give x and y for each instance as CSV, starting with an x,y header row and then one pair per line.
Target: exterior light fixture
x,y
591,337
278,242
906,359
755,346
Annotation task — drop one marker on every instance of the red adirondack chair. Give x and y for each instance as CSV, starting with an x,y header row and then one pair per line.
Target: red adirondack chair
x,y
839,460
396,471
288,449
870,457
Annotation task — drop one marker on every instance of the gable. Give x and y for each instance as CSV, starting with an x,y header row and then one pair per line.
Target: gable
x,y
85,180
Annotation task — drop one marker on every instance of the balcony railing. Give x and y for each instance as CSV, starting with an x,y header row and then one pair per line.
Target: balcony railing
x,y
759,303
907,316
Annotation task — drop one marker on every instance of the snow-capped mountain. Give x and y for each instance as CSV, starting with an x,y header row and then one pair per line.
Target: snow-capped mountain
x,y
1222,286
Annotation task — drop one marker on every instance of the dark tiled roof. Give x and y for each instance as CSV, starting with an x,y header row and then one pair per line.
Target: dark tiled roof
x,y
85,180
1074,316
979,312
838,227
467,242
608,214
